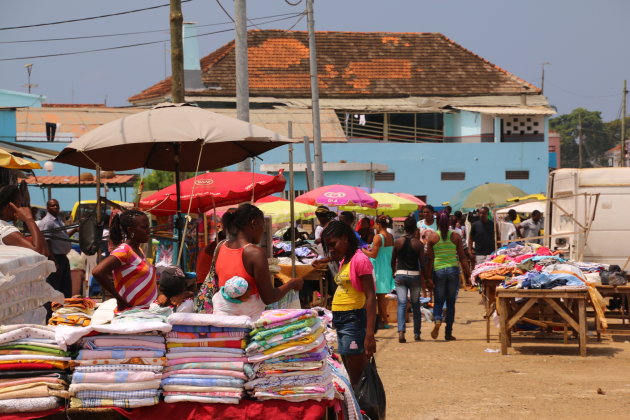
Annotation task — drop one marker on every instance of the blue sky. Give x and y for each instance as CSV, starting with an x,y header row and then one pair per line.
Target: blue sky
x,y
584,41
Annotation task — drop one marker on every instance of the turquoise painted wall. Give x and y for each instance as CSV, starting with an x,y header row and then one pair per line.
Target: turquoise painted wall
x,y
12,99
418,166
7,125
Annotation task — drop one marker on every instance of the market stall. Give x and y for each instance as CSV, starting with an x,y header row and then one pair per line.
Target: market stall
x,y
538,279
155,363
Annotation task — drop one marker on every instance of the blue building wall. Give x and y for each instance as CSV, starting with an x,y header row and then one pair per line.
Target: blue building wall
x,y
418,166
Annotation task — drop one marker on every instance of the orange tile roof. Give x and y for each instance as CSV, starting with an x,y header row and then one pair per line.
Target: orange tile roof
x,y
71,181
73,105
353,65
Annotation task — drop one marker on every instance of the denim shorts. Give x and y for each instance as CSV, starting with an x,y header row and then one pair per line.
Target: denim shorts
x,y
350,326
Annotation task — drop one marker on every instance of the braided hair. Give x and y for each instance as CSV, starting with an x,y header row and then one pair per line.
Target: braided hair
x,y
337,229
443,225
121,223
235,220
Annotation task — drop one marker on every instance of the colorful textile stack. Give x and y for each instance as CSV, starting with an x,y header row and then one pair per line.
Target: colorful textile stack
x,y
118,364
76,311
32,369
205,359
289,349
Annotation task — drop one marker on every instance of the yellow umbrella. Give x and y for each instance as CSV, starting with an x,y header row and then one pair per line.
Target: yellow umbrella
x,y
389,204
9,161
280,211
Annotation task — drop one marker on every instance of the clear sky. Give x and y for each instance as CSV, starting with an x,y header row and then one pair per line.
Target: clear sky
x,y
585,41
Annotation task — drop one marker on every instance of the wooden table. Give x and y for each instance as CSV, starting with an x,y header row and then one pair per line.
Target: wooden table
x,y
488,293
607,291
308,273
569,303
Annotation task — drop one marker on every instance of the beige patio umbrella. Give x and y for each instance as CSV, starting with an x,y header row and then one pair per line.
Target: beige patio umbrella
x,y
171,137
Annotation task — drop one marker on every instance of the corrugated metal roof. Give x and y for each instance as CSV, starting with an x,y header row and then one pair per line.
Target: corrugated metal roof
x,y
72,181
74,122
36,153
509,110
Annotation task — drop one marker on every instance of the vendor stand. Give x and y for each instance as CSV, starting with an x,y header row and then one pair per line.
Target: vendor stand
x,y
607,291
488,293
568,302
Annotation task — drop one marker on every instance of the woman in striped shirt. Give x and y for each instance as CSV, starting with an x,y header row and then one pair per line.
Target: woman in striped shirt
x,y
446,253
134,277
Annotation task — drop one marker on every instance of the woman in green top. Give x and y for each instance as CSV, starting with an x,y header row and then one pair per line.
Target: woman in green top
x,y
444,249
381,254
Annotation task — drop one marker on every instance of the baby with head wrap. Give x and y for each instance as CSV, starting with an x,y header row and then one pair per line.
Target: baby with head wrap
x,y
234,299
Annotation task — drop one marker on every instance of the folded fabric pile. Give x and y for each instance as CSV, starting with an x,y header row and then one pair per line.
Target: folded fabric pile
x,y
118,364
75,311
206,359
32,369
289,349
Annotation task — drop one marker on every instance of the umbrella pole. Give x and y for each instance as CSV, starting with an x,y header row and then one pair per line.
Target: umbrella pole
x,y
178,216
292,202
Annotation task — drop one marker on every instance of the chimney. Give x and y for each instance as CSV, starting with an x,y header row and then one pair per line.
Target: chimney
x,y
192,67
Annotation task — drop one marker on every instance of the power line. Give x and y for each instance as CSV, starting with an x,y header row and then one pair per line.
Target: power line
x,y
582,95
129,45
289,15
297,21
225,11
88,18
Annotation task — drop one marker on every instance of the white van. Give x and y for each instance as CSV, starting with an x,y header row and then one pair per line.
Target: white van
x,y
588,214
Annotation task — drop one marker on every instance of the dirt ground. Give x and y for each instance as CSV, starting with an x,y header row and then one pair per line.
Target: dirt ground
x,y
540,378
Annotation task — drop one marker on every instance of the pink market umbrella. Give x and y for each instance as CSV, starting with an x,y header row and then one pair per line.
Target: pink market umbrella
x,y
338,195
411,198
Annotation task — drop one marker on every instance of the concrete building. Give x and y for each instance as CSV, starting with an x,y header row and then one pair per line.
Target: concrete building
x,y
440,117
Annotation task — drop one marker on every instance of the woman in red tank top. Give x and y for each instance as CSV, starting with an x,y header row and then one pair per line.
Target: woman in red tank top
x,y
238,256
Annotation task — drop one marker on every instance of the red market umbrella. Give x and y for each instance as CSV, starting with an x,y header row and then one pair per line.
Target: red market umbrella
x,y
213,189
411,198
338,195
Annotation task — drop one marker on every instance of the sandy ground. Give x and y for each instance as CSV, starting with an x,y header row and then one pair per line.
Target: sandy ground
x,y
540,378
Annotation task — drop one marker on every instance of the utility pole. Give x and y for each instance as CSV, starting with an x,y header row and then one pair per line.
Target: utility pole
x,y
177,52
242,70
29,85
542,83
622,160
580,139
317,135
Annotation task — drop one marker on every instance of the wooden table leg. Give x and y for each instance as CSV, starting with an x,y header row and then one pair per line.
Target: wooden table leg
x,y
582,332
503,321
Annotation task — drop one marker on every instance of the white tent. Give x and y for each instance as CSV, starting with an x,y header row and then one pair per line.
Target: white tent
x,y
525,207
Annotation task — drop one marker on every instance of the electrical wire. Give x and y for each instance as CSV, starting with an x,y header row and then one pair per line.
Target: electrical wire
x,y
88,18
289,15
129,45
297,21
582,95
225,11
293,4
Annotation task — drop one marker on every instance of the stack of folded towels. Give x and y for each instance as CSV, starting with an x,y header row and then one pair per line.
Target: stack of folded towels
x,y
289,351
76,311
206,359
118,365
32,369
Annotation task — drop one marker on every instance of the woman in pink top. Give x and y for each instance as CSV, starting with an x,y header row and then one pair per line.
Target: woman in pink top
x,y
239,256
134,277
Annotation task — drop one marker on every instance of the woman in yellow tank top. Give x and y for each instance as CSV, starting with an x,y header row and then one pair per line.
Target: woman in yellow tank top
x,y
446,253
354,302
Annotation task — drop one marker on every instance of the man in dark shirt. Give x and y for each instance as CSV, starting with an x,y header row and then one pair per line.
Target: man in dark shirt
x,y
483,237
59,245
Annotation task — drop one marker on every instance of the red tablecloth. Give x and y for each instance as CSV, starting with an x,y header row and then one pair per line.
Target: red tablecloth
x,y
246,410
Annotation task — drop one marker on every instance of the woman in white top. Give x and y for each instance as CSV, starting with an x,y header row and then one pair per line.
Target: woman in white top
x,y
10,212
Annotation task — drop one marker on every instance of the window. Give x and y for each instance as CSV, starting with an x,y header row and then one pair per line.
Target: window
x,y
453,176
285,194
385,176
516,174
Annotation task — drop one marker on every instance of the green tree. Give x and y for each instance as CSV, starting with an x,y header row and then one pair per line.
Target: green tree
x,y
596,135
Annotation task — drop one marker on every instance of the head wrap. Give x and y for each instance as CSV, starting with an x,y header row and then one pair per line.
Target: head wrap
x,y
7,193
234,288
